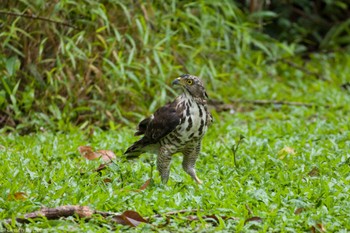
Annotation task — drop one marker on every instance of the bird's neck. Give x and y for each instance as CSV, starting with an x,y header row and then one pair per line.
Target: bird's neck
x,y
188,97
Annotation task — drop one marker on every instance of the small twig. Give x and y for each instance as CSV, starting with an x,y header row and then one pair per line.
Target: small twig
x,y
249,209
221,106
214,217
120,172
55,213
191,217
303,69
181,61
105,214
276,102
298,67
127,218
152,169
234,149
177,212
310,17
38,18
111,159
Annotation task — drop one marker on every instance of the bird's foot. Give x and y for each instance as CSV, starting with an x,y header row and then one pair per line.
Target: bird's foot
x,y
165,179
197,180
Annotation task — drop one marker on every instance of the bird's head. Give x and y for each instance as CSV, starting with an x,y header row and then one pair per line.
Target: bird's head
x,y
192,85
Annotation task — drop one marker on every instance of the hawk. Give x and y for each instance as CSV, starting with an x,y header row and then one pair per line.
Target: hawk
x,y
178,126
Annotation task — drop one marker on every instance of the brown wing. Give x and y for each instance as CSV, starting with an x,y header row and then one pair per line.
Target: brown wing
x,y
164,120
142,127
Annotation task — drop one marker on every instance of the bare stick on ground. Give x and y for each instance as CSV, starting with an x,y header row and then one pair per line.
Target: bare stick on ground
x,y
37,18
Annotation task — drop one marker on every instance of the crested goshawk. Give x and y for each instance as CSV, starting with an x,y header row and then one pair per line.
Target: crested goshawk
x,y
178,126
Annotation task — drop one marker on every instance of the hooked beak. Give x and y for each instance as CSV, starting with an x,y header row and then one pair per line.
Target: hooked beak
x,y
177,81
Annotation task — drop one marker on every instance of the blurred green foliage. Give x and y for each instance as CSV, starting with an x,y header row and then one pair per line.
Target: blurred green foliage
x,y
111,62
317,25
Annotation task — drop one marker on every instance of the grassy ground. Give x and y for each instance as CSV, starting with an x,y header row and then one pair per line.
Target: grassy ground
x,y
88,83
292,171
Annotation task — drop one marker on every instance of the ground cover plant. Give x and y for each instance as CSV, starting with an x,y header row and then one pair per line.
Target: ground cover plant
x,y
72,90
291,172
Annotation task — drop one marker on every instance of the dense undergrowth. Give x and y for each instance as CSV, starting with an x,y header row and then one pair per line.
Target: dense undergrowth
x,y
110,62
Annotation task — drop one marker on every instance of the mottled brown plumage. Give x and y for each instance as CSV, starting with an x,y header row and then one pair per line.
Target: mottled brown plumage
x,y
176,127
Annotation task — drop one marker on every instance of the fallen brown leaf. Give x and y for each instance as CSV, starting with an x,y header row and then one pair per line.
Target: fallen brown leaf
x,y
253,219
320,227
88,153
313,229
286,151
130,218
20,196
106,155
299,210
314,172
101,167
107,180
145,185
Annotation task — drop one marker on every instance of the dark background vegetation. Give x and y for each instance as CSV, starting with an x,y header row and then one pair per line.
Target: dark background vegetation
x,y
108,63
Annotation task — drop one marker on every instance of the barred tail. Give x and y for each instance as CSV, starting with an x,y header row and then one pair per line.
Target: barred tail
x,y
135,150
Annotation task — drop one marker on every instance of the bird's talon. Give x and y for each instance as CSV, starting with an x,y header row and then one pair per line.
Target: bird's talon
x,y
198,180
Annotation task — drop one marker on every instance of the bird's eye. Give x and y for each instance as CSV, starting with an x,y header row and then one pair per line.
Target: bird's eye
x,y
189,82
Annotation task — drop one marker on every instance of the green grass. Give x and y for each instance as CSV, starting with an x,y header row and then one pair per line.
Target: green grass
x,y
272,183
